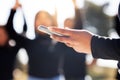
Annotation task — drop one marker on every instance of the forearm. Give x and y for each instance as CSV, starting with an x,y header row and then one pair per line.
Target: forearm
x,y
9,25
105,48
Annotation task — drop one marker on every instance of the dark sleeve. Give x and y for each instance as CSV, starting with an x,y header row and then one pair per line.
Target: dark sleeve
x,y
25,25
117,24
12,33
105,48
9,25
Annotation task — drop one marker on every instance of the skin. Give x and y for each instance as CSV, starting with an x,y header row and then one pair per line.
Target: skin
x,y
43,18
79,40
69,22
17,4
3,37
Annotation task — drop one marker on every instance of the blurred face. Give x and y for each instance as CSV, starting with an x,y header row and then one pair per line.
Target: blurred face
x,y
43,19
69,23
3,37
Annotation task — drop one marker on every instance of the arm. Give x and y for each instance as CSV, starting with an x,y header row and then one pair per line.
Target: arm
x,y
86,42
12,33
105,48
9,25
79,40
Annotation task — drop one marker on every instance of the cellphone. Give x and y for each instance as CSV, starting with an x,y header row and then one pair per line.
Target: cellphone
x,y
44,29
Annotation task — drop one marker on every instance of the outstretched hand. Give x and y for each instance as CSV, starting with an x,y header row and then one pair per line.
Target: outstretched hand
x,y
79,40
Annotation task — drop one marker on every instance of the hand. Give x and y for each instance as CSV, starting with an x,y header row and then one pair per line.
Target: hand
x,y
17,4
79,40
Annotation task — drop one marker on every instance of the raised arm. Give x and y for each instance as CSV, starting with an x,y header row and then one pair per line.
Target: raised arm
x,y
9,25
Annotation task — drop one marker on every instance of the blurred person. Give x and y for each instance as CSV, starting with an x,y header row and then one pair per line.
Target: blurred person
x,y
8,46
46,67
73,65
42,63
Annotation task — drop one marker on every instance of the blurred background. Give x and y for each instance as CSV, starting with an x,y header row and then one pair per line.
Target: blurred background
x,y
97,16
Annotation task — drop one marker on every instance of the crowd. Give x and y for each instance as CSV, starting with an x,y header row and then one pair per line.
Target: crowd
x,y
48,59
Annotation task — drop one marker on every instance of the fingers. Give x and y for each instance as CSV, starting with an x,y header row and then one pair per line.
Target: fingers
x,y
60,31
61,39
68,44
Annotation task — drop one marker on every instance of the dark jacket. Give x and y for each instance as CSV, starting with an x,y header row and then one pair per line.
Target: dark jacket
x,y
7,52
41,61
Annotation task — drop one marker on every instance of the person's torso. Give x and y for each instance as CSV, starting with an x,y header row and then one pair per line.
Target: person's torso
x,y
7,60
41,60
